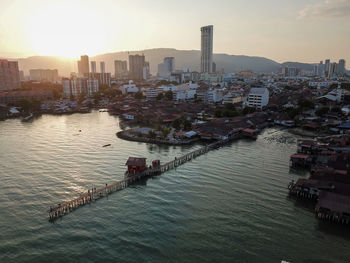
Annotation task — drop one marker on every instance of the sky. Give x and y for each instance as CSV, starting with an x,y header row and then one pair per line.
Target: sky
x,y
282,30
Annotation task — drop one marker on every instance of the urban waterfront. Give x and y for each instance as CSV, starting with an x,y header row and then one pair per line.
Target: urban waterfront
x,y
229,205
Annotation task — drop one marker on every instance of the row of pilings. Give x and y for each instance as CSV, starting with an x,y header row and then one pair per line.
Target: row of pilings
x,y
95,194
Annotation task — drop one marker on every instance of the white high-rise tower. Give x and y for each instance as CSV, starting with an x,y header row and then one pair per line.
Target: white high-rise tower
x,y
207,49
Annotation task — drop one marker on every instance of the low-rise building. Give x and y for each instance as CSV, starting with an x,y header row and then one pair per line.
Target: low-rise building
x,y
129,88
258,98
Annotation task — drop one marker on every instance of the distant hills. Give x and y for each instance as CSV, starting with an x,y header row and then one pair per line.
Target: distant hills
x,y
183,58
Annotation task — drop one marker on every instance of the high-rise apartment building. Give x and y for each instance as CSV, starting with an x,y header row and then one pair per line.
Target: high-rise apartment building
x,y
83,65
9,75
93,66
120,69
46,75
102,67
169,63
341,67
167,67
332,69
146,71
136,65
79,86
326,67
103,78
206,49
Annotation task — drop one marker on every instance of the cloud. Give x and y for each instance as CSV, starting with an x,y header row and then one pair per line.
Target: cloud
x,y
328,8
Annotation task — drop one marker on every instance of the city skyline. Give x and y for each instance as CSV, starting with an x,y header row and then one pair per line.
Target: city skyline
x,y
302,31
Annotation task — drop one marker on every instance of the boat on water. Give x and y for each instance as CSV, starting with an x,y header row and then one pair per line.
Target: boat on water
x,y
106,145
28,118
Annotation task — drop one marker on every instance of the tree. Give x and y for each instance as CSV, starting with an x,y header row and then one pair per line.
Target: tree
x,y
229,106
322,111
29,105
81,98
218,113
248,110
166,132
187,125
151,134
159,123
138,95
305,104
169,95
56,94
160,96
177,124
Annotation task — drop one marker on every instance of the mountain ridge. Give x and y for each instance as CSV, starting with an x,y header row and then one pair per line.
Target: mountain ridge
x,y
183,58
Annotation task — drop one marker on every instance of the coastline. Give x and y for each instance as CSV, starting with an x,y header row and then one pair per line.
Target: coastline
x,y
126,136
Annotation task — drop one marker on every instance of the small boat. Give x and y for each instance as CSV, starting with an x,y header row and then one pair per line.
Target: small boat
x,y
28,118
106,145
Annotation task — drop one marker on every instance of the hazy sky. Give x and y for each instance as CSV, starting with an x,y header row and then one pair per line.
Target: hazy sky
x,y
283,30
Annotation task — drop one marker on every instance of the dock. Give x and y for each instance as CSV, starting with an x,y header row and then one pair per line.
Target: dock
x,y
94,194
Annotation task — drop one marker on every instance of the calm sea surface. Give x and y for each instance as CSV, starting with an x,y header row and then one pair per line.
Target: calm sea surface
x,y
229,205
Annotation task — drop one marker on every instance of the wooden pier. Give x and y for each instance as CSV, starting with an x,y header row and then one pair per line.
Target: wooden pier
x,y
94,194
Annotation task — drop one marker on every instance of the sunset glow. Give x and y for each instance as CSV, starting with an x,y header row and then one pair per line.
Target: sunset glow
x,y
299,30
66,30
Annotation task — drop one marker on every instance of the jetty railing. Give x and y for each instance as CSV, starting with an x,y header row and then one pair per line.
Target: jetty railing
x,y
95,194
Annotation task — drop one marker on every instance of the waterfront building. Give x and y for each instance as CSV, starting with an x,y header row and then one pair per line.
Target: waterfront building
x,y
18,95
79,86
206,49
45,75
136,66
9,75
102,67
120,69
93,66
136,165
83,65
258,98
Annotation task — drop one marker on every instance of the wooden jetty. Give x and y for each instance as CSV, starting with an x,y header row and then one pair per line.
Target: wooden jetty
x,y
94,194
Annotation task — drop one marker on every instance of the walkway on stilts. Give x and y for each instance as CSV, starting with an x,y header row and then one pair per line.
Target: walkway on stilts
x,y
94,194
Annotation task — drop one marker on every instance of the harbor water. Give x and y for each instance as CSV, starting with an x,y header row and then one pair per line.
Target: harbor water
x,y
229,205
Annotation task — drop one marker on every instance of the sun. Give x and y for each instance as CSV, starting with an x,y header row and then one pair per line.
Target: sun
x,y
66,30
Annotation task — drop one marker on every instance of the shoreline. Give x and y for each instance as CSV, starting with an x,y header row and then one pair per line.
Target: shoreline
x,y
125,136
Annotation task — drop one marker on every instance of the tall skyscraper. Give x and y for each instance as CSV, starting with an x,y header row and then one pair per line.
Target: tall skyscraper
x,y
9,75
326,67
169,63
167,67
102,67
120,69
93,66
332,69
136,65
341,67
206,49
83,65
145,71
